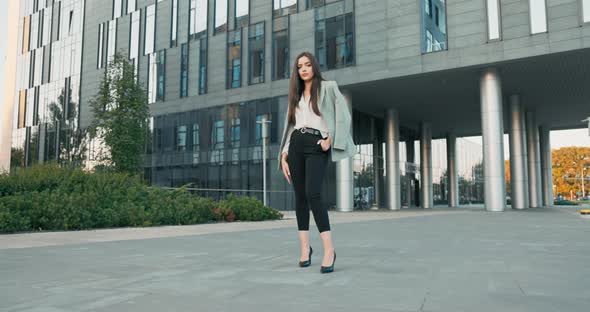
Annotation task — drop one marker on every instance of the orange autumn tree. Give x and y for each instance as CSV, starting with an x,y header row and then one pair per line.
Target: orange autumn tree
x,y
568,164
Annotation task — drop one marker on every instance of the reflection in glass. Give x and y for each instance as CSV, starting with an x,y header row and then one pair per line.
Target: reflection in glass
x,y
256,53
242,13
174,28
234,59
220,15
99,61
184,70
203,66
434,24
181,138
112,40
585,11
280,52
538,16
284,7
334,36
493,9
150,29
198,18
134,35
161,68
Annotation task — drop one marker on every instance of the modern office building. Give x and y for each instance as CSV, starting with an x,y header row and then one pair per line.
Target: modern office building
x,y
418,74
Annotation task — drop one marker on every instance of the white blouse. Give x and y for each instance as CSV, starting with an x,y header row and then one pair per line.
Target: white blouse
x,y
306,117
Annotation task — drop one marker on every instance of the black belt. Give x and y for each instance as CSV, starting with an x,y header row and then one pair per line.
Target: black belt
x,y
310,130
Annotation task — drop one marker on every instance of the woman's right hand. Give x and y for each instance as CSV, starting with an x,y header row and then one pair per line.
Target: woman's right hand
x,y
285,167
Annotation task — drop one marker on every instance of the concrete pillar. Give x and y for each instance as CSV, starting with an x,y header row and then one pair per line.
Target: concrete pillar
x,y
377,167
518,156
393,186
344,175
533,161
453,181
546,166
493,142
426,191
410,159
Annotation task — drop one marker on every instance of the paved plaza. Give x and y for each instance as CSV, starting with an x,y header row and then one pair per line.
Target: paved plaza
x,y
410,260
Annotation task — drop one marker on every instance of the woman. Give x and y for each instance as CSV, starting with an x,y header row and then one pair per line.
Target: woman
x,y
317,128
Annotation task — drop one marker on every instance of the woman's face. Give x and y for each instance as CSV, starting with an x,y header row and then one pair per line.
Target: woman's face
x,y
304,68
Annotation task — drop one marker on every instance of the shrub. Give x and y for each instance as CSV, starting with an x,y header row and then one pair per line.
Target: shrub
x,y
48,197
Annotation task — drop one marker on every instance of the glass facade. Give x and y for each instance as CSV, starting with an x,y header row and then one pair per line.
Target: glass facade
x,y
161,73
585,11
493,19
198,18
220,17
203,66
234,59
256,53
280,48
184,70
241,13
334,35
284,7
434,25
538,16
150,30
174,23
48,81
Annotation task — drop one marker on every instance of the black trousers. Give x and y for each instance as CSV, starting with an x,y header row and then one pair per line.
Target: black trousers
x,y
307,164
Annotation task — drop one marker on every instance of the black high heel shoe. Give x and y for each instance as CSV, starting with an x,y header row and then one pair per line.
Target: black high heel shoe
x,y
305,264
329,269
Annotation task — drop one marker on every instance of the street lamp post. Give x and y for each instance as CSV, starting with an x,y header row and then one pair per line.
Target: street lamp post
x,y
264,123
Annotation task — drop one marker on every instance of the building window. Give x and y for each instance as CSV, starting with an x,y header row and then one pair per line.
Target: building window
x,y
284,7
161,70
111,40
174,26
218,141
180,138
203,66
538,15
585,11
196,146
310,4
152,77
99,61
235,140
280,48
26,34
334,36
134,35
256,53
434,32
234,59
198,18
117,8
150,29
184,70
47,23
242,13
493,17
131,5
220,20
22,104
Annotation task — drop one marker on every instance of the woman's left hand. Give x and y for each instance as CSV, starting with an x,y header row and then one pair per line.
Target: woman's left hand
x,y
325,143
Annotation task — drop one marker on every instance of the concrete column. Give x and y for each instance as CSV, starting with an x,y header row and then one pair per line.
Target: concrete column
x,y
533,161
393,186
453,181
546,166
518,156
377,173
426,191
493,142
344,175
410,158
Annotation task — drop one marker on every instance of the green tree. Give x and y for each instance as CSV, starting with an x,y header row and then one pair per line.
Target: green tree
x,y
121,115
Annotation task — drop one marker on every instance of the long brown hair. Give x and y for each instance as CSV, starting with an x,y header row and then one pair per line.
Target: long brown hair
x,y
297,85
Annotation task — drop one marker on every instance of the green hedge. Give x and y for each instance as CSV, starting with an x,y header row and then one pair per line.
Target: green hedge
x,y
50,198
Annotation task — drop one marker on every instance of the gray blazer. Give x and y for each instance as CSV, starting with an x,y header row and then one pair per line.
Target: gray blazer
x,y
336,113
